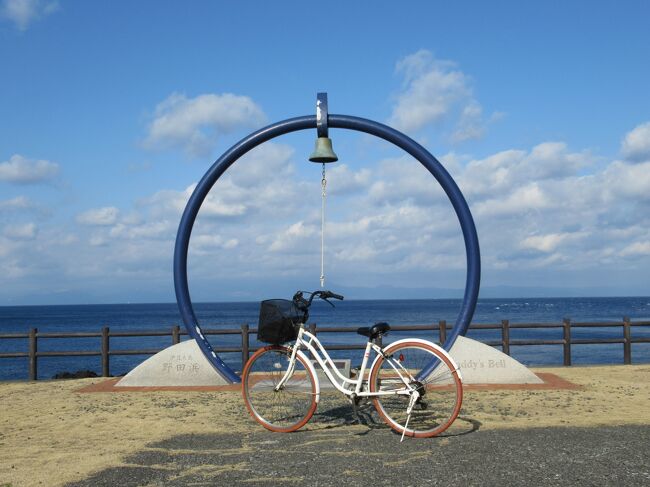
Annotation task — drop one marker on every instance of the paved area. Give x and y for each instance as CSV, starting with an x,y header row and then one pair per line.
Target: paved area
x,y
372,455
555,436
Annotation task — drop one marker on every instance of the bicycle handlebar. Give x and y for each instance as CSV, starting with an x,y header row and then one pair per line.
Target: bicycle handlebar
x,y
304,304
330,294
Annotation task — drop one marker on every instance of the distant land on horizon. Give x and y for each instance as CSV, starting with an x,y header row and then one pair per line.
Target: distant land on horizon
x,y
351,293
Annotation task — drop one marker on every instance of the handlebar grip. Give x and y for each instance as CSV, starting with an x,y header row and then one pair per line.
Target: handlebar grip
x,y
330,294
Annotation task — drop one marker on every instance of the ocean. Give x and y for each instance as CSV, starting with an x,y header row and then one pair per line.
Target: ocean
x,y
140,317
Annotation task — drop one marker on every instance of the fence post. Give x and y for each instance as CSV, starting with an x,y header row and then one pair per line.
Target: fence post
x,y
627,342
105,349
505,336
33,349
442,331
176,334
244,345
567,341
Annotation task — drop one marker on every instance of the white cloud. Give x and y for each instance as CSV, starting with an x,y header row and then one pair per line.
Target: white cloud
x,y
435,91
216,204
253,200
17,203
25,231
149,230
271,160
364,252
296,236
99,216
98,241
505,169
471,124
630,181
637,249
404,178
431,88
553,160
194,124
549,242
540,211
24,12
206,244
6,247
342,180
20,170
519,201
636,144
255,185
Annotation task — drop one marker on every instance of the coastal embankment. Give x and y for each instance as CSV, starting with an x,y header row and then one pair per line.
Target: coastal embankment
x,y
51,434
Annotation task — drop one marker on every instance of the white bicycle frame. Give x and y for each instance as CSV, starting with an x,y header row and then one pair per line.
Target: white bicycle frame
x,y
354,387
338,380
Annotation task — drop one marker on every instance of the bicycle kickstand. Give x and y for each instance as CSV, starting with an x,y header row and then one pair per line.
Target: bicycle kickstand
x,y
405,427
412,400
355,407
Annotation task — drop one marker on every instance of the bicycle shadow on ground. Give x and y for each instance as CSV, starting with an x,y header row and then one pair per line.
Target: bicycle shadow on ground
x,y
332,416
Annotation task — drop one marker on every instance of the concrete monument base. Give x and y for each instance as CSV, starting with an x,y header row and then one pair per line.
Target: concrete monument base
x,y
182,364
483,364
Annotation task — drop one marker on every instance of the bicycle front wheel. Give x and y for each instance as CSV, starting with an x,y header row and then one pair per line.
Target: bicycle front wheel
x,y
284,408
441,393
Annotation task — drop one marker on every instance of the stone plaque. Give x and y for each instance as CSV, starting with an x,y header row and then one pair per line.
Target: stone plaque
x,y
182,364
483,364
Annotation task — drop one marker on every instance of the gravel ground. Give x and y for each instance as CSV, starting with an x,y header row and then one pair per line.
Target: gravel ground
x,y
52,435
374,456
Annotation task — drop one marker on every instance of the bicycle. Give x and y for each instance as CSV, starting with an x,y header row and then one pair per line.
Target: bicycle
x,y
281,388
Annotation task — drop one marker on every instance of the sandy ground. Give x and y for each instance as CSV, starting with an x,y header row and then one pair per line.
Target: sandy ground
x,y
50,434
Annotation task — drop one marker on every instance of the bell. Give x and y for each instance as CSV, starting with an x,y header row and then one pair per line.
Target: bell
x,y
323,151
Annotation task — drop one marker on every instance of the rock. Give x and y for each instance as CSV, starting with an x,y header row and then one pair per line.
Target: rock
x,y
79,374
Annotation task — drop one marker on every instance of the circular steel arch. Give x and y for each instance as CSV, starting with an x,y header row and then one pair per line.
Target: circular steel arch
x,y
358,124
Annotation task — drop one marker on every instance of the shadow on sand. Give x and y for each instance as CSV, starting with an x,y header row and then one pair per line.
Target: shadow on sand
x,y
344,415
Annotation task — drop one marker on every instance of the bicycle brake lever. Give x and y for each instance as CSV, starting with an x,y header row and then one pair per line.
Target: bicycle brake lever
x,y
328,302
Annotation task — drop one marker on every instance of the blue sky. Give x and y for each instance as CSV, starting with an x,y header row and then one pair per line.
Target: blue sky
x,y
112,111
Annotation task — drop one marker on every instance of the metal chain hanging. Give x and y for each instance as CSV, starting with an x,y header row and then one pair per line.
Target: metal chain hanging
x,y
323,183
323,153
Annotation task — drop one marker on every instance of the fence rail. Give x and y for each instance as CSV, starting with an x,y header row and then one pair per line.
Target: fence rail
x,y
105,351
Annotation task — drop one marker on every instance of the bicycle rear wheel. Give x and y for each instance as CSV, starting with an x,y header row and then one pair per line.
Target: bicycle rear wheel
x,y
441,392
285,409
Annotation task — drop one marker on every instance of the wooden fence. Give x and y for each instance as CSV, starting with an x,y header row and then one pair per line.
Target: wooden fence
x,y
105,351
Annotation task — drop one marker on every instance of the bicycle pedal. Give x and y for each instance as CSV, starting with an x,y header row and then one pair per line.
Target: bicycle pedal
x,y
354,400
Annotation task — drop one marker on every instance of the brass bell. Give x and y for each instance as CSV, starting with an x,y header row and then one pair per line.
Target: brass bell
x,y
323,151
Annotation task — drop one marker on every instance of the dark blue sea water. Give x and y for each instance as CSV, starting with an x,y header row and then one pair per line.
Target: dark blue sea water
x,y
137,317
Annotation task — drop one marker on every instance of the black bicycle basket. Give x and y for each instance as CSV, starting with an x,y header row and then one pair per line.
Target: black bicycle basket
x,y
279,321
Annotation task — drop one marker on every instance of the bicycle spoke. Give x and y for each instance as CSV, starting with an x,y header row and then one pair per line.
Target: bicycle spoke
x,y
441,392
285,408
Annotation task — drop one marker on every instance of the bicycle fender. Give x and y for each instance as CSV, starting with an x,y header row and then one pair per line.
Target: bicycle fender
x,y
312,369
424,342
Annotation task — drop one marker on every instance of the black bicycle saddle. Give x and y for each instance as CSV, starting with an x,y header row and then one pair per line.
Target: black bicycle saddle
x,y
374,331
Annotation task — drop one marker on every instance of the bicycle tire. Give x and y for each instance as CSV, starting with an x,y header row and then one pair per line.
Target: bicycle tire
x,y
442,390
284,410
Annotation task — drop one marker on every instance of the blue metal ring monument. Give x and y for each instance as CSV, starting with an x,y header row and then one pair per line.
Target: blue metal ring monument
x,y
265,134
